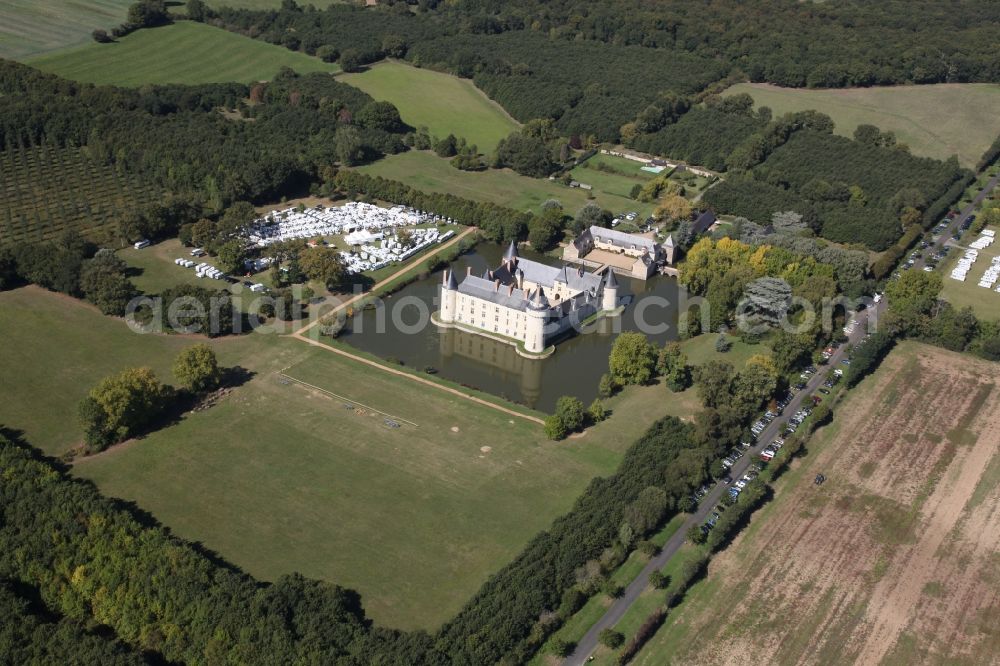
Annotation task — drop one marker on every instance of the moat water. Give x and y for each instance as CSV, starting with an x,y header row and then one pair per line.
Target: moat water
x,y
495,367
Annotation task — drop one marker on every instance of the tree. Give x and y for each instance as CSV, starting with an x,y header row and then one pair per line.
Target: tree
x,y
554,428
197,369
590,215
611,638
323,264
327,53
446,147
696,535
672,364
122,405
231,255
596,411
673,208
787,222
632,360
525,153
647,510
104,283
607,386
754,384
379,116
714,381
147,14
544,229
766,302
101,36
394,46
562,647
197,10
658,580
570,411
348,146
350,61
912,298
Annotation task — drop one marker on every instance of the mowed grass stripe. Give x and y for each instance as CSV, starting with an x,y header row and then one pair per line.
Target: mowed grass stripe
x,y
185,52
443,103
33,27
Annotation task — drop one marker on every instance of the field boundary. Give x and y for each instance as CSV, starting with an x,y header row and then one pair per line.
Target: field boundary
x,y
345,399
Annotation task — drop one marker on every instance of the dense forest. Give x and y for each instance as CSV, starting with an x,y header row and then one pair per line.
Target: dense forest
x,y
586,63
701,136
848,191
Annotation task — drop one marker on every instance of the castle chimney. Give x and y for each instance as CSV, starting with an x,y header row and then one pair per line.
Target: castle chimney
x,y
497,283
468,271
511,292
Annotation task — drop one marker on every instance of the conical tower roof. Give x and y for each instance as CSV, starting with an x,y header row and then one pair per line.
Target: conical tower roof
x,y
538,299
511,252
452,283
611,281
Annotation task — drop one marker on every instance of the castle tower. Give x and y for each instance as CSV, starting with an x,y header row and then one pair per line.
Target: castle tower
x,y
610,300
449,296
538,315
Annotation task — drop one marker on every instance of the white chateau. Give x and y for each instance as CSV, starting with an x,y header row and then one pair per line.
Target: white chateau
x,y
525,303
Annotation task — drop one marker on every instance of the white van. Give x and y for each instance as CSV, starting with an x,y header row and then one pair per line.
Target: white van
x,y
141,244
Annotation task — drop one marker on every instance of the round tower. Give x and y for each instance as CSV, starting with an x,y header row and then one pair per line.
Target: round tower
x,y
610,298
538,315
449,296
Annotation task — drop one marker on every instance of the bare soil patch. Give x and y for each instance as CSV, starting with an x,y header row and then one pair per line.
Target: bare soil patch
x,y
895,559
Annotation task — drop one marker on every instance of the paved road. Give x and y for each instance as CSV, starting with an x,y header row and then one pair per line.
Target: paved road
x,y
617,610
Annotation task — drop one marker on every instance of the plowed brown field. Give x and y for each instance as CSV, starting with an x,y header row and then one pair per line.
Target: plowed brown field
x,y
894,560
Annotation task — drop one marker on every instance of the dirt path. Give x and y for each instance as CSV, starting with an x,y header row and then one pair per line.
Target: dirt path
x,y
419,380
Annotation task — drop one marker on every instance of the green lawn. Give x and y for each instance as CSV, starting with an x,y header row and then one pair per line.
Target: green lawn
x,y
184,52
32,27
279,478
701,349
985,302
933,120
443,103
425,171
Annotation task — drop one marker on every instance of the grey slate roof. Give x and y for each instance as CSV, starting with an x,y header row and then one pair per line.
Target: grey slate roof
x,y
487,291
622,239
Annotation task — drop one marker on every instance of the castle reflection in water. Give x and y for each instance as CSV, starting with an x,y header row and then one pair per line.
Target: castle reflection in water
x,y
503,360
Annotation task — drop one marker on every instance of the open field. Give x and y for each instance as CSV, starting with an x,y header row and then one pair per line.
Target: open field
x,y
47,191
442,103
185,52
32,27
55,349
984,302
281,477
933,120
893,560
430,173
